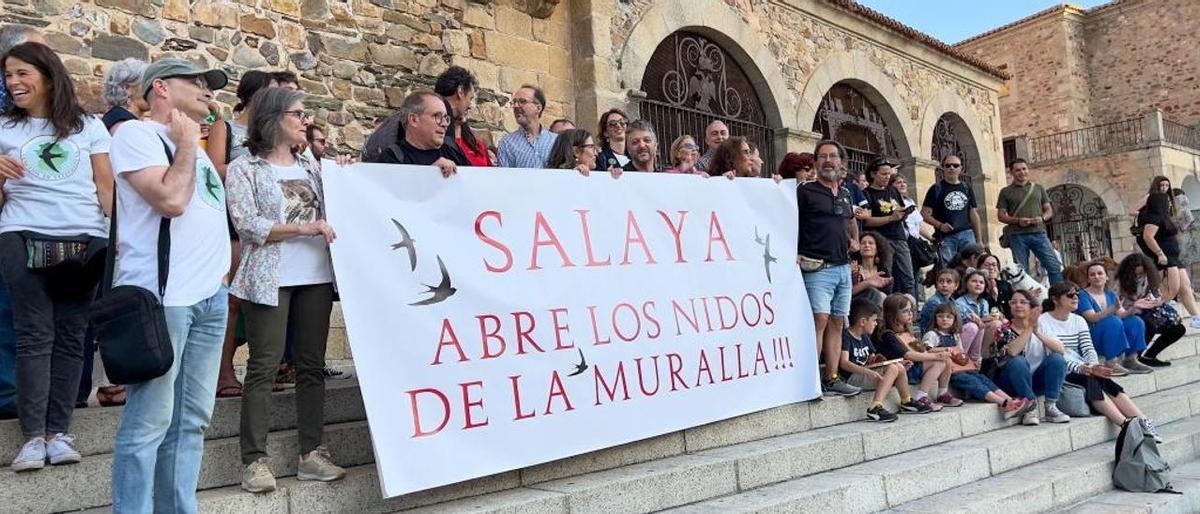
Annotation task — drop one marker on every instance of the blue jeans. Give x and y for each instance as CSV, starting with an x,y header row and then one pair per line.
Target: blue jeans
x,y
829,290
950,245
8,358
160,441
972,384
1015,378
1039,244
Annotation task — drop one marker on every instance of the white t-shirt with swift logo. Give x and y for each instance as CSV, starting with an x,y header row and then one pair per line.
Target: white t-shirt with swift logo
x,y
199,257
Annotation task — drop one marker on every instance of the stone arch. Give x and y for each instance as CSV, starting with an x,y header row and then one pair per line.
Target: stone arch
x,y
857,70
712,19
948,102
1082,223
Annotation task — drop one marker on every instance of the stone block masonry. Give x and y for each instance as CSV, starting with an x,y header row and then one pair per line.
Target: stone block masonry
x,y
357,58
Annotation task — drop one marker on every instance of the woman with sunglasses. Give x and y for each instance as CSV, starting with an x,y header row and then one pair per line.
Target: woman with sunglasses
x,y
684,156
798,166
1083,366
56,186
285,281
612,140
1027,363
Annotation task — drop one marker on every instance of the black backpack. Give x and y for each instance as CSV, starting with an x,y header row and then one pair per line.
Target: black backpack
x,y
1139,467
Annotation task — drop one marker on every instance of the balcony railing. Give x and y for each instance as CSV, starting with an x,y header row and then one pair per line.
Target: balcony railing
x,y
1180,134
1086,141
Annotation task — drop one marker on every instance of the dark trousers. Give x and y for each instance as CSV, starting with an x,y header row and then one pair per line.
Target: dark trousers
x,y
1167,336
49,318
305,310
902,268
8,358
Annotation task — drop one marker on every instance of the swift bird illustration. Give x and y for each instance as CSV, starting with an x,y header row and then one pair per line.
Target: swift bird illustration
x,y
767,257
440,292
48,155
581,367
406,241
210,185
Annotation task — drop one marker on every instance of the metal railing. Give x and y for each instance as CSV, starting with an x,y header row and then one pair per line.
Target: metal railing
x,y
1180,134
672,121
1087,140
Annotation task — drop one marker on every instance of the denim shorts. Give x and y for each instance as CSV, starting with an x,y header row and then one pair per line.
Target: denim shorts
x,y
829,290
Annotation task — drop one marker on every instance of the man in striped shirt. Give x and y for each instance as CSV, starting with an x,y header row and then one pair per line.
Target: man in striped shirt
x,y
528,146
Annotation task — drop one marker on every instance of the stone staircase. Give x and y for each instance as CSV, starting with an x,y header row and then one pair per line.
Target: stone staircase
x,y
805,457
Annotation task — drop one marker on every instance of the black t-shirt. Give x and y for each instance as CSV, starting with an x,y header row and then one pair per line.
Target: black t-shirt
x,y
883,202
860,349
951,203
414,155
824,223
891,347
630,167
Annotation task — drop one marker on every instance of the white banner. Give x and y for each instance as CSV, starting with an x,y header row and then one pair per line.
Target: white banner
x,y
503,318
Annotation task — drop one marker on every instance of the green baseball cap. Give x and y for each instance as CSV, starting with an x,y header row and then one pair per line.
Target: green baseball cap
x,y
173,67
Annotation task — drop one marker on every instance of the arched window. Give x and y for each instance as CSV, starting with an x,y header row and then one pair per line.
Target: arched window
x,y
850,118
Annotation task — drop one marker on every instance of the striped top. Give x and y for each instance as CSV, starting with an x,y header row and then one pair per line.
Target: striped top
x,y
517,151
1074,335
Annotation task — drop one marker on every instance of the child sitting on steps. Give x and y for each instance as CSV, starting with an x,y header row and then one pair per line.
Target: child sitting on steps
x,y
945,336
855,366
896,340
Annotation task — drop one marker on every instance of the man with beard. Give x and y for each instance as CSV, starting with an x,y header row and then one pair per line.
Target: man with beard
x,y
642,145
529,146
887,219
823,253
715,134
1025,208
425,120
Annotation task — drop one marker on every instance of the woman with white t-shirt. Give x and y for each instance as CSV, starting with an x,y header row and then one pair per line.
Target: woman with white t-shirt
x,y
1060,322
57,187
285,281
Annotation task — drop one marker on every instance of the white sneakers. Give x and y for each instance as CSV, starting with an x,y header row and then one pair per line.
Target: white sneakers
x,y
257,477
32,456
61,450
58,450
1195,322
317,465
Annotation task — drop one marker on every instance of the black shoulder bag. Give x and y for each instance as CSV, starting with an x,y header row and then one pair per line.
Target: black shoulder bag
x,y
128,321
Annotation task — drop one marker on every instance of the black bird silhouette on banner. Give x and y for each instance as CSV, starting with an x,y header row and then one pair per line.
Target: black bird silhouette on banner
x,y
440,292
581,367
767,257
407,242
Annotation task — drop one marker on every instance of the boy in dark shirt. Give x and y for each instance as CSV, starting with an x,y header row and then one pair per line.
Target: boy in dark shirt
x,y
858,352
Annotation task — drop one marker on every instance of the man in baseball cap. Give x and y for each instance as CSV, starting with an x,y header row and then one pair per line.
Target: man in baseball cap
x,y
161,172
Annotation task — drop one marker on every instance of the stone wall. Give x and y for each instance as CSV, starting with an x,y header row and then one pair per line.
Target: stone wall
x,y
1143,56
1073,69
358,58
1043,61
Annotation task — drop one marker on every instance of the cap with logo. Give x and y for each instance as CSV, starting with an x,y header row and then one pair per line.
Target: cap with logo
x,y
175,68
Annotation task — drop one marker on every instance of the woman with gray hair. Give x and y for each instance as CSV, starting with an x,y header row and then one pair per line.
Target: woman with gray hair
x,y
285,281
121,84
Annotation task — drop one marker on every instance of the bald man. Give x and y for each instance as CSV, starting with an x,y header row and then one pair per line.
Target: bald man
x,y
715,134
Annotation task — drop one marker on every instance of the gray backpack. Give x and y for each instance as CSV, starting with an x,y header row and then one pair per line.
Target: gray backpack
x,y
1139,467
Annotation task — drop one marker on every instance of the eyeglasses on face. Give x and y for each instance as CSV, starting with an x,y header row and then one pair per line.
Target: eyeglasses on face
x,y
954,165
617,123
195,80
299,113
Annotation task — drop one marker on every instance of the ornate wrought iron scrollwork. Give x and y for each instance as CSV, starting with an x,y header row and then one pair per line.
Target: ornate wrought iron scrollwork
x,y
1080,224
700,79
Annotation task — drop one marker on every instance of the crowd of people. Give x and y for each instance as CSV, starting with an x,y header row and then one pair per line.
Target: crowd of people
x,y
239,204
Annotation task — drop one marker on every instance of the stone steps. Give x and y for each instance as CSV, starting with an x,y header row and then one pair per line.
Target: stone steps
x,y
1185,478
820,444
949,470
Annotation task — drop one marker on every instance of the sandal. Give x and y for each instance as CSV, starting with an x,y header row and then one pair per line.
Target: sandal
x,y
230,391
111,396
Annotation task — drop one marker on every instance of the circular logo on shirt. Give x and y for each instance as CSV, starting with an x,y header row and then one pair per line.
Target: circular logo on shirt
x,y
48,158
209,187
956,201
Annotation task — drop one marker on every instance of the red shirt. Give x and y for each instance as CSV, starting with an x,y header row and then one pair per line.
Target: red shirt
x,y
479,158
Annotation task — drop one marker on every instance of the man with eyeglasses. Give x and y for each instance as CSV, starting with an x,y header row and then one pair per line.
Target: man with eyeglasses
x,y
425,120
528,146
950,207
714,134
823,254
161,172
